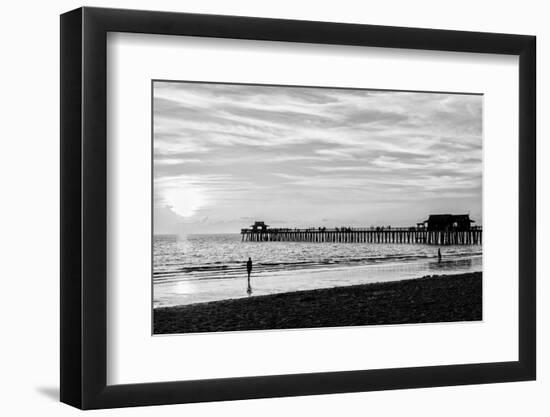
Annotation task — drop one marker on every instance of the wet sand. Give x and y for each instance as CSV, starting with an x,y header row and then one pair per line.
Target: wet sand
x,y
192,291
430,299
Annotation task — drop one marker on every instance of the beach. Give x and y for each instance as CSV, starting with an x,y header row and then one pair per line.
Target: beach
x,y
430,299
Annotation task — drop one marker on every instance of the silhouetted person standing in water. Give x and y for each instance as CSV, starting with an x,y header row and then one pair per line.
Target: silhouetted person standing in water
x,y
438,256
249,270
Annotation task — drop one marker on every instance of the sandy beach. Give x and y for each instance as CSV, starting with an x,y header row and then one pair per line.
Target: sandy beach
x,y
430,299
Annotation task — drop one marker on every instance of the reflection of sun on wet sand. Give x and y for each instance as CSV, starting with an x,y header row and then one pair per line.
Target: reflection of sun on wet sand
x,y
431,299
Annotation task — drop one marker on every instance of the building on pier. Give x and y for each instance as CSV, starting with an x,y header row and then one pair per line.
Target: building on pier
x,y
259,226
447,222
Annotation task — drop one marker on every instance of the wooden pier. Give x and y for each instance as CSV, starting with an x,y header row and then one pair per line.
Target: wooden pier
x,y
410,235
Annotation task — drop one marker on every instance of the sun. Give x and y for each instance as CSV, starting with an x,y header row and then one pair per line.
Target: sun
x,y
184,201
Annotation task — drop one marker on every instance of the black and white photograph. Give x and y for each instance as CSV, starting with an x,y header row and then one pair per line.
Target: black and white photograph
x,y
286,207
269,209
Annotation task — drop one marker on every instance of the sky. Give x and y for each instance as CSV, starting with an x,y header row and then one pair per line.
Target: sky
x,y
226,155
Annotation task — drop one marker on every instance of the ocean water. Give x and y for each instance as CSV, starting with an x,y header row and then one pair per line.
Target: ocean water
x,y
202,268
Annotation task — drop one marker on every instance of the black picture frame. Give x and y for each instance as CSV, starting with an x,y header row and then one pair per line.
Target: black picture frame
x,y
84,207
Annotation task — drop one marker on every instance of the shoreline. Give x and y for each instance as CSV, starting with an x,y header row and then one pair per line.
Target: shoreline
x,y
430,299
193,291
227,271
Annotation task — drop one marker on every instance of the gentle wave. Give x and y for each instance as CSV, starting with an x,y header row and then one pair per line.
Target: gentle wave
x,y
209,271
207,257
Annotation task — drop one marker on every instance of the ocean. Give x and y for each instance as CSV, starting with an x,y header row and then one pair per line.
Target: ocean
x,y
202,268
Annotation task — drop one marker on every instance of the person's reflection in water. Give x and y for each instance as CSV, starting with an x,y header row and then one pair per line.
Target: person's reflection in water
x,y
249,270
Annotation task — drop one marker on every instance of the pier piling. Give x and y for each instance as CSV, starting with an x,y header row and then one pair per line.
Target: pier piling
x,y
411,235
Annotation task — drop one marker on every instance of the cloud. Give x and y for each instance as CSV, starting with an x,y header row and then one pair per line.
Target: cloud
x,y
307,154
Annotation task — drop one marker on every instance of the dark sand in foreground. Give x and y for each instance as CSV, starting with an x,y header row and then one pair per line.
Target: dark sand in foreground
x,y
430,299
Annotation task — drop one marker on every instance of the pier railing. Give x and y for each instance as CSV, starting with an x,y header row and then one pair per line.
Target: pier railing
x,y
410,235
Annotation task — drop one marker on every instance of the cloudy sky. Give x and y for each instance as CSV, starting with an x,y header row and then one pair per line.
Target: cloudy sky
x,y
226,155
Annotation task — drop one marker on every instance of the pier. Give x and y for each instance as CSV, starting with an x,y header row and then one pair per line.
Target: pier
x,y
434,231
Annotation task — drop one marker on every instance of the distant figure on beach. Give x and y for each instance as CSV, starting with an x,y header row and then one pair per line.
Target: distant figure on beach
x,y
249,270
438,256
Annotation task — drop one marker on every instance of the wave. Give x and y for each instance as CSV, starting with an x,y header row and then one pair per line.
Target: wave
x,y
217,270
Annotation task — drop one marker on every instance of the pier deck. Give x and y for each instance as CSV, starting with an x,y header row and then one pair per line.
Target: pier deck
x,y
411,235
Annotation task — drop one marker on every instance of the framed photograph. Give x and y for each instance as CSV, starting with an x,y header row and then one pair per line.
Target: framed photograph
x,y
256,208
